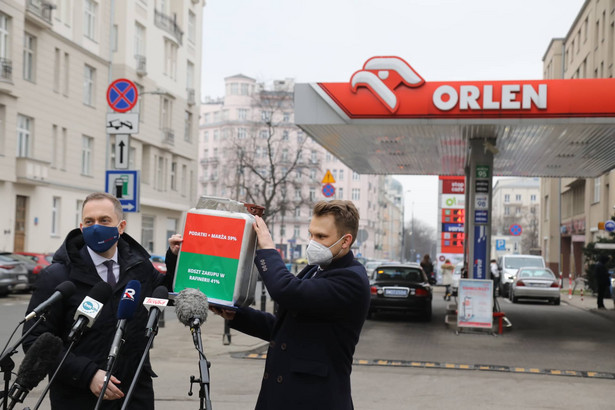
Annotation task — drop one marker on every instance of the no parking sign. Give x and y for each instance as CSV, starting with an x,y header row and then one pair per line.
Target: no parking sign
x,y
122,95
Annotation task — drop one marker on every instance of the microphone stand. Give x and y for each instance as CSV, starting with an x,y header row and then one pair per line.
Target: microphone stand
x,y
150,340
110,369
203,369
7,364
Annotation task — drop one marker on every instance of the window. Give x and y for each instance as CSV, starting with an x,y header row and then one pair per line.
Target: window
x,y
139,40
4,36
285,136
29,52
298,194
24,135
356,194
597,185
296,231
298,212
242,133
188,127
286,117
341,174
166,113
533,197
87,145
312,174
171,227
66,74
88,85
191,26
285,154
190,77
355,176
63,12
173,175
55,216
245,89
266,116
517,198
312,194
264,134
183,180
506,198
89,19
517,211
147,232
160,173
340,193
170,58
300,137
506,210
57,57
242,114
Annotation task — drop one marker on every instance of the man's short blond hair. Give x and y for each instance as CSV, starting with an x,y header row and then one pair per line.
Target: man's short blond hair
x,y
117,206
345,214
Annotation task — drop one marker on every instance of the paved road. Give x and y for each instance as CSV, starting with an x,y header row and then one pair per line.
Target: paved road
x,y
414,357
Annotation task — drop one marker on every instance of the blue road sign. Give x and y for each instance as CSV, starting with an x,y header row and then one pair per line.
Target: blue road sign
x,y
515,229
609,226
500,244
328,190
122,95
124,185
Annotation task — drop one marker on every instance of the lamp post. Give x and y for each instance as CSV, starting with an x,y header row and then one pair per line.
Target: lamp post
x,y
403,225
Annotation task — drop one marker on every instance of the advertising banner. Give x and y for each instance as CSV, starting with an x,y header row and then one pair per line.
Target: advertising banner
x,y
210,254
475,304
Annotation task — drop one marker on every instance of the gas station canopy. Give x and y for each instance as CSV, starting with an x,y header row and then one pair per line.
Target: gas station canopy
x,y
388,120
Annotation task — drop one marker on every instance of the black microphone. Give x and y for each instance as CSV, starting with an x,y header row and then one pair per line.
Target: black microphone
x,y
64,290
37,363
125,311
158,300
89,309
191,307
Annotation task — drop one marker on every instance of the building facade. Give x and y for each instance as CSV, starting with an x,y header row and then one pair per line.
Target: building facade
x,y
251,151
515,202
572,208
57,59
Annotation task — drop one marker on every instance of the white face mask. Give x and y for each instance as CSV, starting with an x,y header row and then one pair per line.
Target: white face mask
x,y
319,254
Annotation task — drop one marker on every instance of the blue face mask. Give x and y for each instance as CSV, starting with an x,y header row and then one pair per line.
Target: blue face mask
x,y
100,238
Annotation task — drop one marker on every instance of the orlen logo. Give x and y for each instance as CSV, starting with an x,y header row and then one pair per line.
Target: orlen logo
x,y
381,75
129,294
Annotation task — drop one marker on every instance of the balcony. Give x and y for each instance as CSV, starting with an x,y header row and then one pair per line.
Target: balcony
x,y
141,65
190,96
31,171
168,136
6,70
168,24
39,12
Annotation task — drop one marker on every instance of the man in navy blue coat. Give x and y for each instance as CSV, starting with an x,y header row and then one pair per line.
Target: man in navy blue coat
x,y
321,312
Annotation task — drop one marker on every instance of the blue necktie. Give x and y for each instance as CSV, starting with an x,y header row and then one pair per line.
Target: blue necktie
x,y
110,276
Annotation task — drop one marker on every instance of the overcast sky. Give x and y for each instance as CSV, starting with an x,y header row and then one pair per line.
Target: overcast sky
x,y
328,40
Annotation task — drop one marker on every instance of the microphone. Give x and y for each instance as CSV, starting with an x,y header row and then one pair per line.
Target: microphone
x,y
125,311
90,309
64,290
36,364
191,307
158,300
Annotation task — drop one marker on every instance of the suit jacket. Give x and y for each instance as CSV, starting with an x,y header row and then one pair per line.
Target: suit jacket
x,y
314,334
71,390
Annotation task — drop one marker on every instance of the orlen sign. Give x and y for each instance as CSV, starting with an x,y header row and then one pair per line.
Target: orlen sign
x,y
389,87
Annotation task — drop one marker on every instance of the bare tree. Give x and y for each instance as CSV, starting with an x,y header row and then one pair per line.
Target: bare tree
x,y
267,163
420,239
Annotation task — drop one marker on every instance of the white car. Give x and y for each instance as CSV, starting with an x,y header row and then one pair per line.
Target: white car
x,y
535,283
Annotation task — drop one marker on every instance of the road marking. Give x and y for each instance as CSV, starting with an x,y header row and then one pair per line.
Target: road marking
x,y
458,366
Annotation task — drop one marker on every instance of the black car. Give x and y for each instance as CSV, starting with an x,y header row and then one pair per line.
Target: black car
x,y
400,288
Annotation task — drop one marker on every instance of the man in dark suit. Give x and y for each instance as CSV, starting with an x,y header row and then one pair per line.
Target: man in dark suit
x,y
84,259
321,312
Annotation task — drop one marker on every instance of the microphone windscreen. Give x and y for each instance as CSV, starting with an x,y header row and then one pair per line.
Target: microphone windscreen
x,y
161,292
41,357
191,304
66,288
130,300
101,292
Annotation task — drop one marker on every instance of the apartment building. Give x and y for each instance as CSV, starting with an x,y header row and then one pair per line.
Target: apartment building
x,y
251,151
515,201
57,59
573,207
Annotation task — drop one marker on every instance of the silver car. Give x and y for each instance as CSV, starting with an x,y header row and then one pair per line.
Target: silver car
x,y
535,283
13,275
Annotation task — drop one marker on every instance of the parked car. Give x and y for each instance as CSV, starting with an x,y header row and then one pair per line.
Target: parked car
x,y
35,262
509,264
535,283
13,274
158,262
400,288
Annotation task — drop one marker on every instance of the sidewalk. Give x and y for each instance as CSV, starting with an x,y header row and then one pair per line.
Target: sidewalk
x,y
588,302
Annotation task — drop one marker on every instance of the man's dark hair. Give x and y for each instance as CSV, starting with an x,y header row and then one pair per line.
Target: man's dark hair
x,y
96,196
345,214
